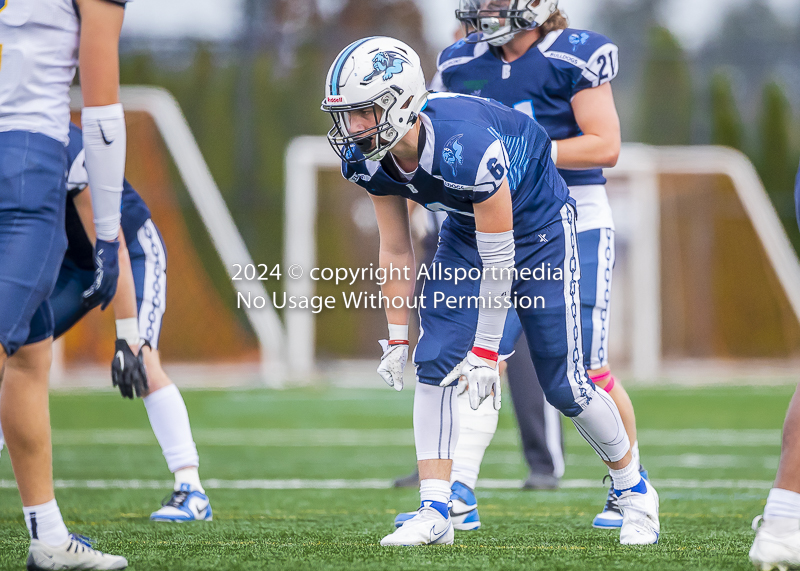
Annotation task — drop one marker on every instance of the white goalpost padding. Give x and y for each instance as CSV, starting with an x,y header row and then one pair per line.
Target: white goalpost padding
x,y
750,190
637,171
216,217
305,157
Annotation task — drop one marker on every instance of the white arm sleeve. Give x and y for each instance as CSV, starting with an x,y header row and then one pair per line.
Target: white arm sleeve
x,y
497,255
105,142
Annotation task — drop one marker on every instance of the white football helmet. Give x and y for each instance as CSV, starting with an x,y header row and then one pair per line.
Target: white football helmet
x,y
378,73
500,20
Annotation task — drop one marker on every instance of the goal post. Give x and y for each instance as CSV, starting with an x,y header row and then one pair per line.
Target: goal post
x,y
652,330
305,157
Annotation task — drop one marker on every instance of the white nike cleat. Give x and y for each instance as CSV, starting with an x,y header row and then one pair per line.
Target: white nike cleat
x,y
76,553
776,546
427,527
463,509
639,507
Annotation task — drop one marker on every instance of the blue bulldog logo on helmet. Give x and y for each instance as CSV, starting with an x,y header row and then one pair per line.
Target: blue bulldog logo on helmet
x,y
453,153
386,63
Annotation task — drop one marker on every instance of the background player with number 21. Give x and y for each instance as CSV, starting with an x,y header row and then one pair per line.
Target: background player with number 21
x,y
490,168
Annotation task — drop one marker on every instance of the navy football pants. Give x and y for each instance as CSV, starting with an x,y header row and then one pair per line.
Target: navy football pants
x,y
553,329
32,237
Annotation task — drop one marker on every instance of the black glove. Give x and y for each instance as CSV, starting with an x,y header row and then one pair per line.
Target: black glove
x,y
106,260
127,370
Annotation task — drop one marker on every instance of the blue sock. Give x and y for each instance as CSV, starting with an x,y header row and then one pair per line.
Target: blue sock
x,y
640,488
440,507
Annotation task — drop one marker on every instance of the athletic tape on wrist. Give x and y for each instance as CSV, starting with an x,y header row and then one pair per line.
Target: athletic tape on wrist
x,y
128,329
398,333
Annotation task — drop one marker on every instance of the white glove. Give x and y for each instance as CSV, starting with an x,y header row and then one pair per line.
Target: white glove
x,y
456,374
462,380
393,362
481,380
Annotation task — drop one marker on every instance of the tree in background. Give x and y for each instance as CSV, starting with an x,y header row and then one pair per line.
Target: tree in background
x,y
777,158
759,45
665,100
726,123
626,23
775,163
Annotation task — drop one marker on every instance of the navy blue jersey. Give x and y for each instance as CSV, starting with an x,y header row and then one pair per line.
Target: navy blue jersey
x,y
468,147
541,83
134,210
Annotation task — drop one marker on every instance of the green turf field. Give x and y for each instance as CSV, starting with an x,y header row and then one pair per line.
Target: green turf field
x,y
714,451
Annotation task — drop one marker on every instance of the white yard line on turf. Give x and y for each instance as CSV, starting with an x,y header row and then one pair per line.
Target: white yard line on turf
x,y
374,484
292,437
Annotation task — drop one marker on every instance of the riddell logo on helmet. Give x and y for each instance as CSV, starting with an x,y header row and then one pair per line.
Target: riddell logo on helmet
x,y
333,100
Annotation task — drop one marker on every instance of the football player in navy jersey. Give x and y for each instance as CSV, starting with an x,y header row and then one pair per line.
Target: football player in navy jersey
x,y
524,55
43,41
777,542
139,306
509,212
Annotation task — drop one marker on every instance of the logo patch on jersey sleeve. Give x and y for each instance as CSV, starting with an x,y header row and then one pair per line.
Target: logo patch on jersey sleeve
x,y
385,65
578,40
453,153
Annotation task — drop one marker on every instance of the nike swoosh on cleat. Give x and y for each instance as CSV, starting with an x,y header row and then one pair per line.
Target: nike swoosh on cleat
x,y
435,536
105,140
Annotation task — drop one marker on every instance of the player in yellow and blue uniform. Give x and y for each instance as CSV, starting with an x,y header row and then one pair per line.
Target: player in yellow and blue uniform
x,y
524,55
139,306
42,43
509,211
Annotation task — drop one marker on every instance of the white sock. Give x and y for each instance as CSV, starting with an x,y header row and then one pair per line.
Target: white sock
x,y
635,455
477,428
782,504
188,476
625,478
170,422
45,523
434,491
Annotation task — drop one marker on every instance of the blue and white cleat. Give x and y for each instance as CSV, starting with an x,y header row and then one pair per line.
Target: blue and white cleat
x,y
611,516
76,553
430,525
184,504
639,506
463,509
